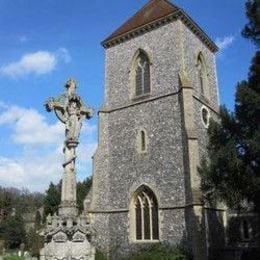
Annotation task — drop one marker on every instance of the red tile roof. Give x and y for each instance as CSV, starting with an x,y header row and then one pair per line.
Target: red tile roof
x,y
153,10
152,15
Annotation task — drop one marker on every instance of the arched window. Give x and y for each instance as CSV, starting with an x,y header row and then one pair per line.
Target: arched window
x,y
245,229
205,116
145,215
142,74
202,75
143,141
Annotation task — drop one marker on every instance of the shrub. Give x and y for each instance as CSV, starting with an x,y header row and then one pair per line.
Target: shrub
x,y
159,252
13,257
100,255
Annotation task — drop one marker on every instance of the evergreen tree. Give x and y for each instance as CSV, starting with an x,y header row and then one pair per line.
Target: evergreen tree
x,y
82,191
53,196
13,231
52,199
232,171
252,28
247,112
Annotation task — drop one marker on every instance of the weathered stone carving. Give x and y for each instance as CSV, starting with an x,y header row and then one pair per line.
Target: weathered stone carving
x,y
67,235
78,237
60,237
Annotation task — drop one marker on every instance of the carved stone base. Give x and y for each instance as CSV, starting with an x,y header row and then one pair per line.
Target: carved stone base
x,y
68,209
68,239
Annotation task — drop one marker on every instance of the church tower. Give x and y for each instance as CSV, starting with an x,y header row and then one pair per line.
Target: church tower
x,y
160,92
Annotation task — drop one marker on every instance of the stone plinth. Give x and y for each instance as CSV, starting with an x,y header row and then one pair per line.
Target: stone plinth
x,y
68,209
68,238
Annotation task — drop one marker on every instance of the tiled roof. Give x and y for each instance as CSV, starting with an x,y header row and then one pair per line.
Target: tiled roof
x,y
154,14
153,10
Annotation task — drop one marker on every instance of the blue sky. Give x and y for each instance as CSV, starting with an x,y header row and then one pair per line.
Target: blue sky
x,y
43,43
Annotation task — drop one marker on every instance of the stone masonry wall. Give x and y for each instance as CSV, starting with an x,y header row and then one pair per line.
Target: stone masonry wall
x,y
162,47
192,47
119,169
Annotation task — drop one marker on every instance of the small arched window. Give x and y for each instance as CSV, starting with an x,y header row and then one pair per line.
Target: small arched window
x,y
202,75
142,74
205,116
143,141
245,229
145,215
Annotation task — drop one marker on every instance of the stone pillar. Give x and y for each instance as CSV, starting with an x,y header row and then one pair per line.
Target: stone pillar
x,y
68,206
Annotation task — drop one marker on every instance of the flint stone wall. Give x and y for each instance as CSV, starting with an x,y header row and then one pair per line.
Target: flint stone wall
x,y
118,167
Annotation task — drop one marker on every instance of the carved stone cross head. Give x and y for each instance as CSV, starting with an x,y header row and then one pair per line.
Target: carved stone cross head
x,y
70,110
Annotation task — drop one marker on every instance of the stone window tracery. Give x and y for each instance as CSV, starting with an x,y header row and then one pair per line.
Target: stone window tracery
x,y
142,75
145,215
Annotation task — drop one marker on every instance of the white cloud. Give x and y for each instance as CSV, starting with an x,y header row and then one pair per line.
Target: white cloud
x,y
38,63
30,127
40,143
34,172
224,42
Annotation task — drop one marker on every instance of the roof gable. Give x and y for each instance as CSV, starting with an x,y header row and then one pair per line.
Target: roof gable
x,y
154,14
153,10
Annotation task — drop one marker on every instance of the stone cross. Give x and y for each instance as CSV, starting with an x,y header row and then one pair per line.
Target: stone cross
x,y
71,111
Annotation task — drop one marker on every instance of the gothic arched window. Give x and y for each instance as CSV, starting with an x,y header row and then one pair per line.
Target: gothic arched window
x,y
142,74
202,75
143,141
145,215
245,229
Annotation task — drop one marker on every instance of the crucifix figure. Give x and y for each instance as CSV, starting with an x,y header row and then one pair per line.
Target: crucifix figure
x,y
71,111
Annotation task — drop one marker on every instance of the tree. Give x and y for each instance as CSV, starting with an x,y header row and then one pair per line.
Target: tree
x,y
52,199
13,204
34,242
13,231
82,191
252,28
232,171
5,203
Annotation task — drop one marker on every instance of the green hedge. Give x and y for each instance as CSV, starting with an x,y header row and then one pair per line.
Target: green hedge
x,y
13,257
100,255
159,252
155,252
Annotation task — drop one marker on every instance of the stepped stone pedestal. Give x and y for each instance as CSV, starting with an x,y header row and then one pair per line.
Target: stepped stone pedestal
x,y
68,238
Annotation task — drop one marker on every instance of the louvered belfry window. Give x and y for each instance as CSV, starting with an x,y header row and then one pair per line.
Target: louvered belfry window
x,y
142,76
146,216
201,74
